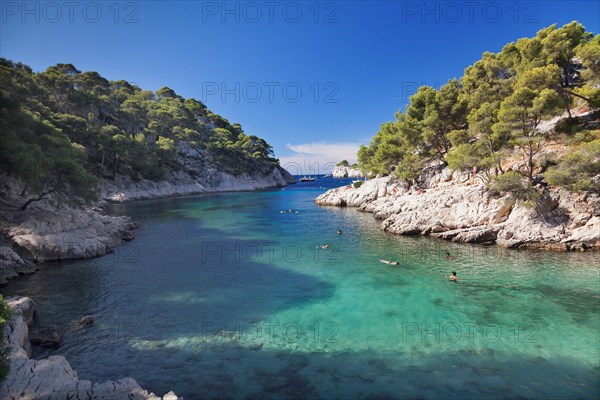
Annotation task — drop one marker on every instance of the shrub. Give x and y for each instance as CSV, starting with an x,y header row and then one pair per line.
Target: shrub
x,y
514,183
585,136
5,315
357,184
578,169
570,126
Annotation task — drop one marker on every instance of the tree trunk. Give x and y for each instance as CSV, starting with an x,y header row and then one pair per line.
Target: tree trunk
x,y
101,164
567,108
530,163
115,166
575,94
40,197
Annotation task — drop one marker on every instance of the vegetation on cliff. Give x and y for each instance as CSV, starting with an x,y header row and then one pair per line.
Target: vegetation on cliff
x,y
63,129
5,315
495,112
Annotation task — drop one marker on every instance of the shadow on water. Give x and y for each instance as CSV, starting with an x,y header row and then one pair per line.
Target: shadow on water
x,y
245,371
581,303
215,283
169,304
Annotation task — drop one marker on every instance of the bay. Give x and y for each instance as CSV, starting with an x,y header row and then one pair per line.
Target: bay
x,y
230,296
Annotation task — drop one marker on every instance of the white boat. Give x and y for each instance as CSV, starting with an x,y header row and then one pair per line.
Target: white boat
x,y
307,179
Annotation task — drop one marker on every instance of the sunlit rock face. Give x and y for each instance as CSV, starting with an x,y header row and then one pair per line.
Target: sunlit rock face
x,y
346,172
458,207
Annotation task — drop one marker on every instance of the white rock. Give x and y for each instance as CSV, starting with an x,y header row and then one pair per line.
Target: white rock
x,y
346,172
53,378
464,211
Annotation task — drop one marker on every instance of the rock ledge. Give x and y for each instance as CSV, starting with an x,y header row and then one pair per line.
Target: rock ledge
x,y
53,378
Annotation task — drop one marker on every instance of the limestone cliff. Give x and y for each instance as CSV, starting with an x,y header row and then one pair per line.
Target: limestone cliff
x,y
458,207
346,172
58,228
52,229
195,174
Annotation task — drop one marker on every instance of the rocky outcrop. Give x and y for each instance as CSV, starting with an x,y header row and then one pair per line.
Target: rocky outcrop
x,y
179,183
52,229
53,377
48,233
196,174
57,228
458,207
346,172
11,264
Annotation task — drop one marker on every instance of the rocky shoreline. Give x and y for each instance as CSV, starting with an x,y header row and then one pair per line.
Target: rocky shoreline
x,y
458,207
124,189
56,228
53,378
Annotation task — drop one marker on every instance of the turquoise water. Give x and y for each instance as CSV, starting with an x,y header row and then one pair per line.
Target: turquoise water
x,y
224,296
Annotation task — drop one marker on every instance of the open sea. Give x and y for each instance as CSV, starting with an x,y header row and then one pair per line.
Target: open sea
x,y
229,296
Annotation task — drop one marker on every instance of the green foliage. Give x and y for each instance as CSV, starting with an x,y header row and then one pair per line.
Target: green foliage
x,y
589,54
497,105
578,170
409,168
5,315
514,183
466,156
357,184
343,163
585,136
62,129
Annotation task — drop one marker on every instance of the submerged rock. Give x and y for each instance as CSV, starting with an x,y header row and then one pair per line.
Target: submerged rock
x,y
47,336
86,320
53,377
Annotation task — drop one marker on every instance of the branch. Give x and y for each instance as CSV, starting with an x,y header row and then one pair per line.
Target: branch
x,y
574,94
40,197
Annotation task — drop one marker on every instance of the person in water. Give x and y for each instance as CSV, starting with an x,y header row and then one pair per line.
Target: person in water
x,y
453,277
325,246
389,262
340,231
449,256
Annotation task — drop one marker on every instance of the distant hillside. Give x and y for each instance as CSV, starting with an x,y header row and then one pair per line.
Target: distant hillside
x,y
63,131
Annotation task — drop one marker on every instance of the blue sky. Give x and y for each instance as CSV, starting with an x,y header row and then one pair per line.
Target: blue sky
x,y
315,79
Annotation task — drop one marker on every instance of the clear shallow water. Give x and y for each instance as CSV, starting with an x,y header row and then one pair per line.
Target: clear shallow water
x,y
224,296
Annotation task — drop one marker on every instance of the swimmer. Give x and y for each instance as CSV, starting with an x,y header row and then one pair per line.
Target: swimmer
x,y
453,277
340,232
389,262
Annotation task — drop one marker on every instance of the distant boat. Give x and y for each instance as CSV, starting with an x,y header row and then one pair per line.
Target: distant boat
x,y
327,176
307,179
